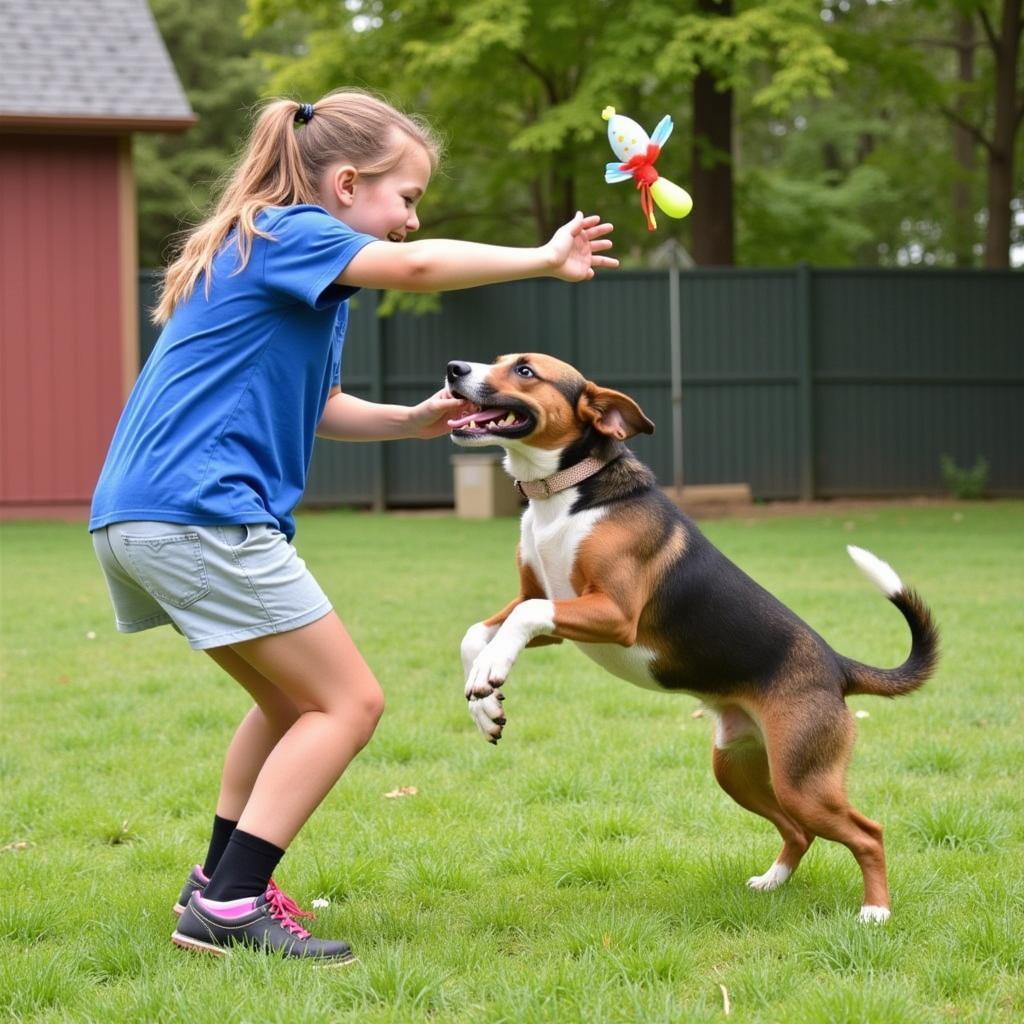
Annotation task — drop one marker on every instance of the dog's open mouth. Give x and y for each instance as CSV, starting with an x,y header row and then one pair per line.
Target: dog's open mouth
x,y
493,421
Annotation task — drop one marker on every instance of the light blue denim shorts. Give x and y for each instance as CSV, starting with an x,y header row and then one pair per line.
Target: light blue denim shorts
x,y
216,585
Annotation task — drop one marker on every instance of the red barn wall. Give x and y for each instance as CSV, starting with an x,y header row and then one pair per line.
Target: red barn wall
x,y
68,335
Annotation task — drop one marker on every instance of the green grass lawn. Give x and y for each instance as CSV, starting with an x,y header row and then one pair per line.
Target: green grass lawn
x,y
586,869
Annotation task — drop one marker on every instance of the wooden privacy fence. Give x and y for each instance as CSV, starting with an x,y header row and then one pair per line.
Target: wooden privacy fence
x,y
801,382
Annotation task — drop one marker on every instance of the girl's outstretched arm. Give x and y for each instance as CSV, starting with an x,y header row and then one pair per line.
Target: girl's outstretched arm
x,y
348,418
442,264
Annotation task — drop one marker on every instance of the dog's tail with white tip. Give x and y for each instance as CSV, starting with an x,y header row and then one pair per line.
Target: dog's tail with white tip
x,y
924,649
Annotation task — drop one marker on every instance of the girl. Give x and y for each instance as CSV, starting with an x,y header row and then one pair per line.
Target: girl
x,y
192,519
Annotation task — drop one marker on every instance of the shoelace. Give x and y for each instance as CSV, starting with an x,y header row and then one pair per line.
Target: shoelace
x,y
279,910
290,907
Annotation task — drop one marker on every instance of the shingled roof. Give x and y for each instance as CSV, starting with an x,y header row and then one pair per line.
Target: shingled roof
x,y
87,64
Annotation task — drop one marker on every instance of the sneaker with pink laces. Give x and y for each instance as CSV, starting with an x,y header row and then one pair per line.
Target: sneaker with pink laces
x,y
197,882
263,923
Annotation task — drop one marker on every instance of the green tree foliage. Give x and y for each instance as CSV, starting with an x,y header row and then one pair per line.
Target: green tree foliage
x,y
223,77
519,85
877,174
768,54
842,147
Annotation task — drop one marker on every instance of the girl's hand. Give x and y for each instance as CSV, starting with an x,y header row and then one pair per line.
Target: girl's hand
x,y
574,247
430,418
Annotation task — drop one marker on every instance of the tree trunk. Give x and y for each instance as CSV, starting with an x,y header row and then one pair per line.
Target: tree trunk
x,y
539,208
566,193
1006,46
962,233
554,199
712,167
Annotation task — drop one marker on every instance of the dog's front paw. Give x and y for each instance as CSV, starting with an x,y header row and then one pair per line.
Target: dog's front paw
x,y
489,670
488,714
477,637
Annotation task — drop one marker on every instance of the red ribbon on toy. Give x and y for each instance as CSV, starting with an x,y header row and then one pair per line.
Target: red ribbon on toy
x,y
641,167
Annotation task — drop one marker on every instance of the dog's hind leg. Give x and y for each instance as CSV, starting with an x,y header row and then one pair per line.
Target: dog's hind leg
x,y
740,763
808,755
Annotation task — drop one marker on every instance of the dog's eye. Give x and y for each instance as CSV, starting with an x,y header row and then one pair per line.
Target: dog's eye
x,y
524,371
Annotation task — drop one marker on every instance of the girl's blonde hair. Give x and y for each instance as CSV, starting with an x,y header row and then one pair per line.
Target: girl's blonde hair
x,y
282,166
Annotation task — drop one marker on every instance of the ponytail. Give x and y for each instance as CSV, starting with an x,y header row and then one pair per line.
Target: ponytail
x,y
291,146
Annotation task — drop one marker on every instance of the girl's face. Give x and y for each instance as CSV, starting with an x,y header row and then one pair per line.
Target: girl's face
x,y
383,205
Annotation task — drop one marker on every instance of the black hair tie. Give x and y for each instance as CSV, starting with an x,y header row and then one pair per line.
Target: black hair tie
x,y
304,114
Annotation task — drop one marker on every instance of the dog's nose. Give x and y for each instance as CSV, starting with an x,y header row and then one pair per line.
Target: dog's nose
x,y
457,369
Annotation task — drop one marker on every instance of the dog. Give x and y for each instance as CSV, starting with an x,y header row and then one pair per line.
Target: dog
x,y
607,561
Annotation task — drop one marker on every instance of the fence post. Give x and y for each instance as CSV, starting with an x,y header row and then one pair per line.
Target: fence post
x,y
379,486
805,385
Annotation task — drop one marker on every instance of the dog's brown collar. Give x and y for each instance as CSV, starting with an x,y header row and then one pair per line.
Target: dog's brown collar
x,y
562,480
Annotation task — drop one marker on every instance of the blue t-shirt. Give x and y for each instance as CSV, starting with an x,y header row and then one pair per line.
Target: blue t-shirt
x,y
219,427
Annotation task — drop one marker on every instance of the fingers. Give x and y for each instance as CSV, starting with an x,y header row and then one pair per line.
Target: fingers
x,y
598,230
581,223
451,409
443,401
589,237
599,243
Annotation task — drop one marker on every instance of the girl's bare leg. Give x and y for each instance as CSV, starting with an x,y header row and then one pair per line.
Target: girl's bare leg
x,y
320,672
258,734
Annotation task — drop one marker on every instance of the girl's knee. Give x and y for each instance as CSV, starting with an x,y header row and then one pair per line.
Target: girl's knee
x,y
373,704
354,708
364,711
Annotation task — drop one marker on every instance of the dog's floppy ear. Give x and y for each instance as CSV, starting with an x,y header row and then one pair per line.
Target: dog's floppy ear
x,y
612,412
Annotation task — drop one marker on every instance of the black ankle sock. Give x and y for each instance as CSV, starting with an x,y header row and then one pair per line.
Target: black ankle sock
x,y
244,869
222,829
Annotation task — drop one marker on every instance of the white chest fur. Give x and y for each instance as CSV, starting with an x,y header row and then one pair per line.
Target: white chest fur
x,y
550,539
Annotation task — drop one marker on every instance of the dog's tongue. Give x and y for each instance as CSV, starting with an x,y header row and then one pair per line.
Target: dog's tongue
x,y
477,417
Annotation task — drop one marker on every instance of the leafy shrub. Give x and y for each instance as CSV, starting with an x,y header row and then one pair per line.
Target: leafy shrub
x,y
965,483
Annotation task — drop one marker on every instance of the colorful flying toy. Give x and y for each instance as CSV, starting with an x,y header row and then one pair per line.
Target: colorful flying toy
x,y
638,152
